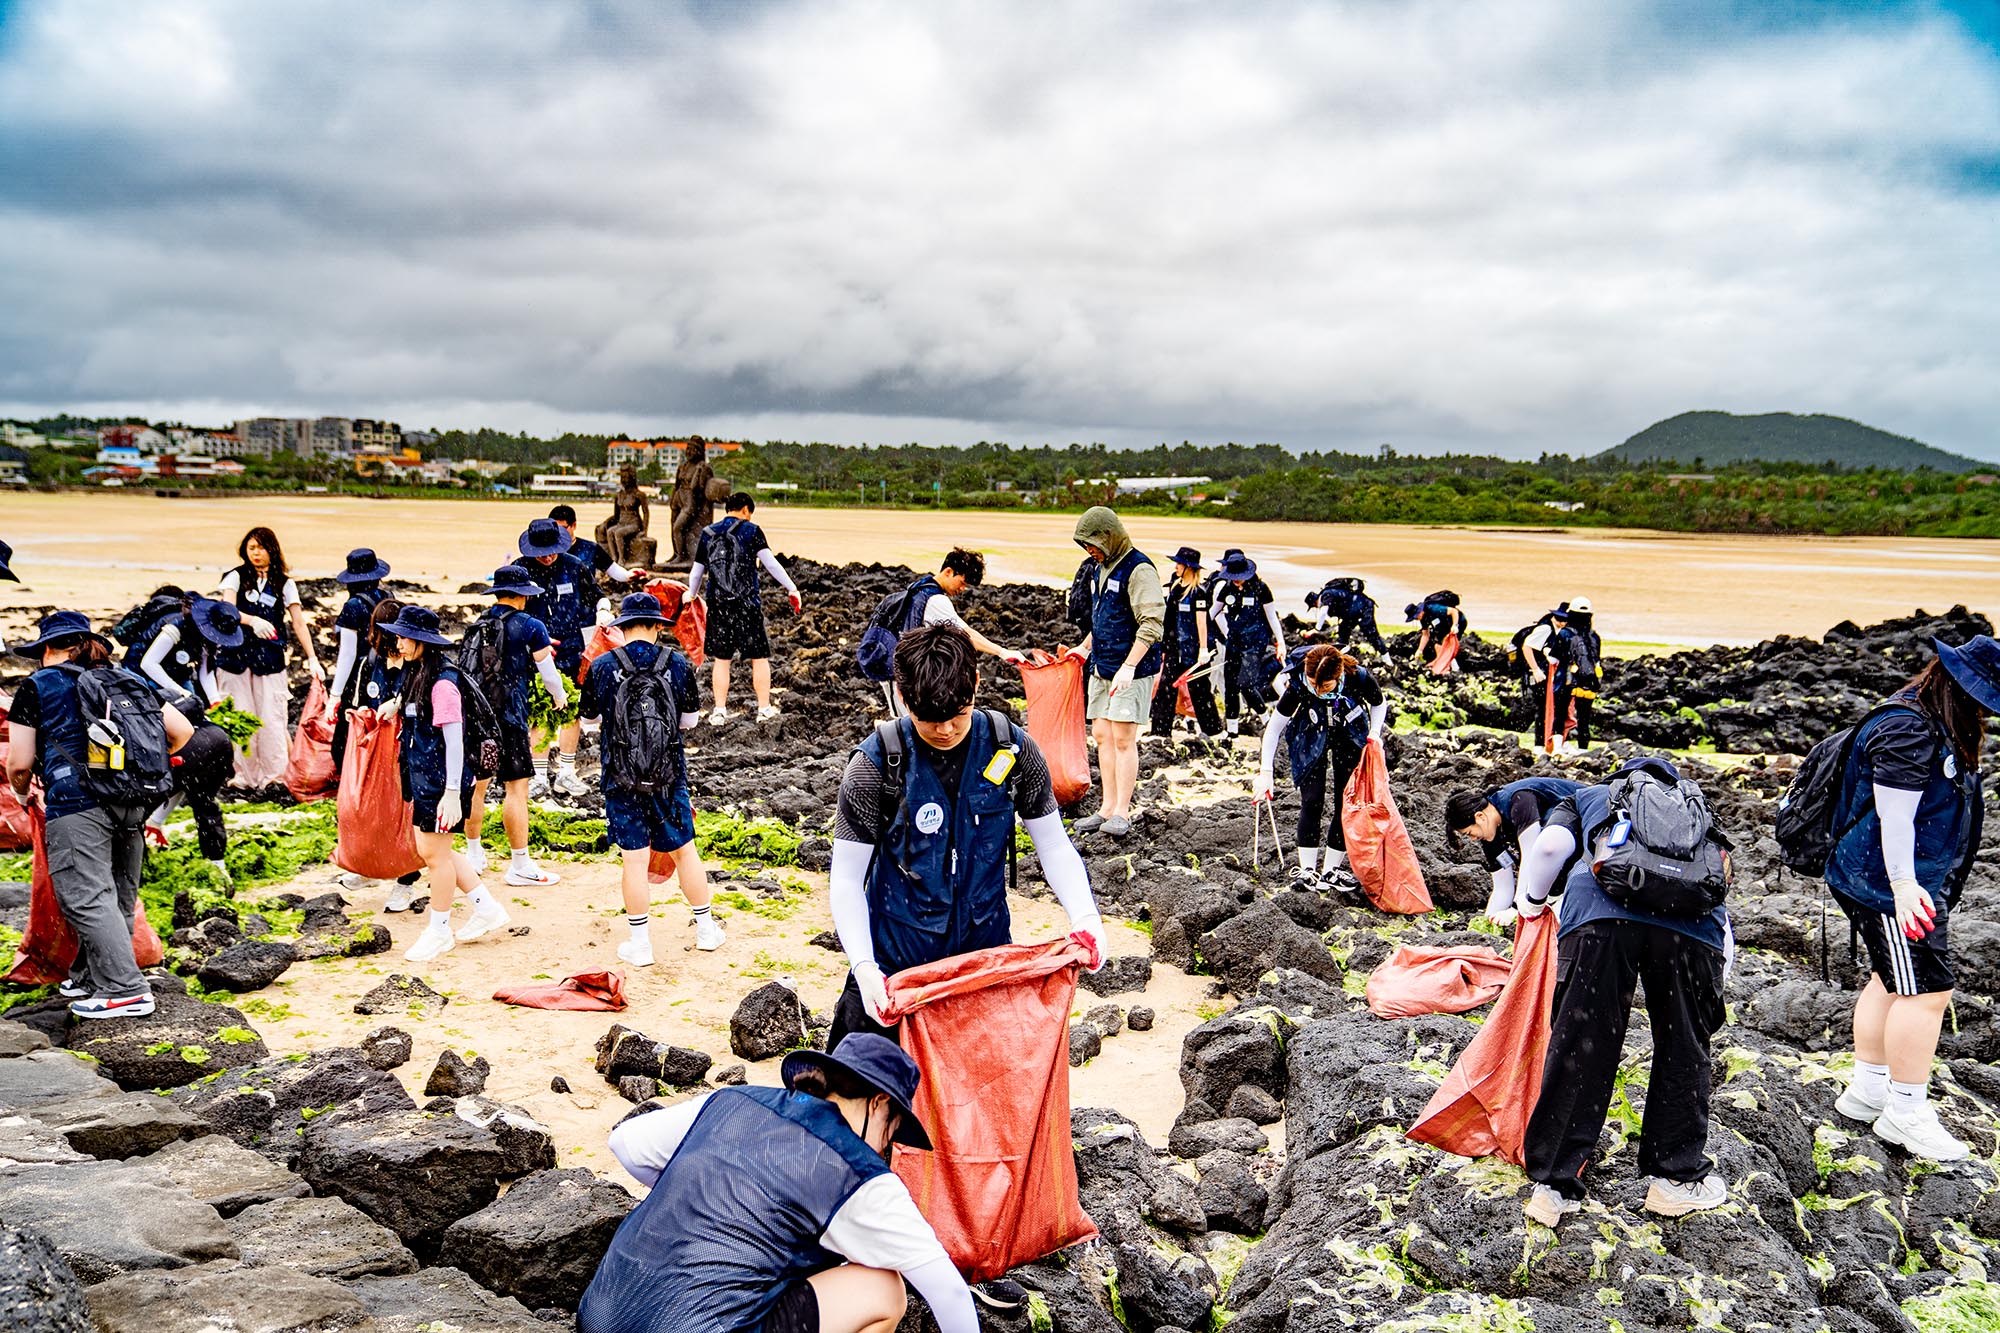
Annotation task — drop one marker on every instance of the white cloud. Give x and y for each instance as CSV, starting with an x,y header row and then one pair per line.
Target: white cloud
x,y
1540,225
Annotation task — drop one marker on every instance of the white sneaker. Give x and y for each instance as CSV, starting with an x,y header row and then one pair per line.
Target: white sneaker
x,y
435,940
475,856
569,784
484,920
352,882
73,990
635,953
708,935
1548,1207
767,712
1921,1135
534,874
1856,1107
538,787
717,716
399,898
1670,1198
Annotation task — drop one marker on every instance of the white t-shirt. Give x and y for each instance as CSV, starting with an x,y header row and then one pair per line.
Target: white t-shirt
x,y
287,596
939,611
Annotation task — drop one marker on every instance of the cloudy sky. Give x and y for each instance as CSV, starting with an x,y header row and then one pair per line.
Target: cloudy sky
x,y
1442,224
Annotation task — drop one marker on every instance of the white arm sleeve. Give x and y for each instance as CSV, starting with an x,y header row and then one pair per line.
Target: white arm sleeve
x,y
454,750
879,1227
695,573
1062,867
343,665
769,560
939,1283
1502,896
1376,714
204,676
847,892
1541,866
1274,731
645,1144
620,574
154,662
1528,837
1277,626
1897,810
552,678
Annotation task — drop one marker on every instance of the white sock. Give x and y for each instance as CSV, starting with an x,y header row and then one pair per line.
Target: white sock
x,y
541,762
481,899
1336,859
1234,726
700,913
1908,1098
1309,860
522,861
441,920
1871,1081
638,926
566,764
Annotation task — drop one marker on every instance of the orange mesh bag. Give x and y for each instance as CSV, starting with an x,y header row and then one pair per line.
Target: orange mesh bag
x,y
585,990
1447,653
1054,690
1435,981
601,641
309,774
1482,1108
375,835
15,833
48,946
1378,846
990,1031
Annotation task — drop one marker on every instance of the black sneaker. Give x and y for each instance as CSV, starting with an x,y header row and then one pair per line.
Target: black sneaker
x,y
1001,1295
1340,880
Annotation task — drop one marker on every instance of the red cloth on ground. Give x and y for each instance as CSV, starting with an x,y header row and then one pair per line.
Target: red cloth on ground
x,y
1447,652
990,1031
1482,1108
1378,845
15,833
1055,693
309,772
48,946
376,838
1436,981
585,990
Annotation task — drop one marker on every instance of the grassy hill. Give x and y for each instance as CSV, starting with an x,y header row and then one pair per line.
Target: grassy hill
x,y
1715,439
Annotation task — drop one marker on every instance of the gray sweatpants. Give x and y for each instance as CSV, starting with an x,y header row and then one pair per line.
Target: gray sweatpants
x,y
95,857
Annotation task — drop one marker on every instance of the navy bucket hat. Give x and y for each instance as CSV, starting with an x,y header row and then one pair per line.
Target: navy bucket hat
x,y
640,608
419,623
1188,556
545,536
221,623
1237,567
1975,665
58,628
6,572
512,581
882,1065
363,566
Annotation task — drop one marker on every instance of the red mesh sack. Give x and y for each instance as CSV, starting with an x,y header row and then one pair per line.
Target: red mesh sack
x,y
689,619
1447,653
309,774
1435,981
15,834
48,946
601,641
990,1032
1378,846
1482,1108
1054,690
585,990
376,836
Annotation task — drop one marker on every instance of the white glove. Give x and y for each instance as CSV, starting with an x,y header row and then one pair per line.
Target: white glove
x,y
1503,919
1528,910
1915,912
560,698
1093,926
1121,681
1011,657
451,811
1535,675
874,990
1262,791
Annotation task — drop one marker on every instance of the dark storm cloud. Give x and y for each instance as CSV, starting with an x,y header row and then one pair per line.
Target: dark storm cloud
x,y
1537,227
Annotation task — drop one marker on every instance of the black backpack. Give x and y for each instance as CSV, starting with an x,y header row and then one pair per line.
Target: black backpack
x,y
1445,597
877,654
1805,832
482,724
127,760
732,570
136,627
1080,609
1665,857
642,741
895,766
1517,657
482,654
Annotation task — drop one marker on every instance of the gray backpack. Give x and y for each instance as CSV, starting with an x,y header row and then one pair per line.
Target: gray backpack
x,y
1664,855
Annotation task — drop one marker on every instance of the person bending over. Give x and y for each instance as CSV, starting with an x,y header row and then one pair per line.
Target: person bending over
x,y
932,603
1329,710
1505,823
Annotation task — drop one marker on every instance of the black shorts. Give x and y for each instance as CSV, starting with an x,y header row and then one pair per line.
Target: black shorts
x,y
737,631
1906,966
517,753
797,1310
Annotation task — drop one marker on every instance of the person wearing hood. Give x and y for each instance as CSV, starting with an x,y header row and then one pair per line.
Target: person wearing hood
x,y
1122,653
1246,616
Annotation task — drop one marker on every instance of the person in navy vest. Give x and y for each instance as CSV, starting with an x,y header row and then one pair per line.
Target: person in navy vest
x,y
640,822
362,578
773,1210
1438,617
1604,950
1578,655
1505,822
1122,657
727,557
1246,615
1912,806
1345,607
1328,710
181,659
253,676
925,877
932,602
381,673
95,851
565,601
1185,640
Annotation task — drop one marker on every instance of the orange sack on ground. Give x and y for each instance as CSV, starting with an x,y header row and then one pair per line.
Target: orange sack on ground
x,y
309,774
1054,690
1447,653
48,946
375,835
1378,846
585,990
15,834
990,1031
1482,1108
1436,981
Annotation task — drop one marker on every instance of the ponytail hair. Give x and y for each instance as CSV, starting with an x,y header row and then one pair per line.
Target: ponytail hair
x,y
826,1081
1326,664
91,652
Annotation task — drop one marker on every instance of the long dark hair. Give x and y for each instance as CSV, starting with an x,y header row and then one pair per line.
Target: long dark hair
x,y
269,541
421,674
1957,712
380,641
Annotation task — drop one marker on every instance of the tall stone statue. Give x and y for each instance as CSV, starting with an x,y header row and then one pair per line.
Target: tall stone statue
x,y
631,516
693,501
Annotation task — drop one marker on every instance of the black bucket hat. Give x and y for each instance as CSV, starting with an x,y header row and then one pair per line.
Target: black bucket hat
x,y
513,581
545,536
363,567
640,608
57,628
1238,567
419,623
221,623
1188,556
1976,667
6,555
882,1065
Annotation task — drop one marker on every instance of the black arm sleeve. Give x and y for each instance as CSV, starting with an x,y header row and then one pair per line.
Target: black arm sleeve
x,y
1899,750
858,813
1524,810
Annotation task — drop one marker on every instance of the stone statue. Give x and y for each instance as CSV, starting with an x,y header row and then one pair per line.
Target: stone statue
x,y
693,501
624,533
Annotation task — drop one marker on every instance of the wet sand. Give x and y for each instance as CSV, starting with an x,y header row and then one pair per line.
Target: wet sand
x,y
102,553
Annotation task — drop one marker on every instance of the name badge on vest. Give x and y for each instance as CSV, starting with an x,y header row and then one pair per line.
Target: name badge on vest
x,y
181,656
565,589
262,598
1950,765
374,690
930,817
1111,585
409,710
999,766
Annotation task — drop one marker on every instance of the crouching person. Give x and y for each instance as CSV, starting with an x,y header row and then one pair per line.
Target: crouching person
x,y
758,1194
1613,935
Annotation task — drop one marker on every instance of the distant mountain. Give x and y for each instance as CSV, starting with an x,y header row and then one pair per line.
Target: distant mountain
x,y
1715,439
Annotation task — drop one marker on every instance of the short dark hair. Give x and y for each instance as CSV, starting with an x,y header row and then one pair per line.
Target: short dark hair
x,y
739,500
563,514
937,671
968,565
825,1081
1460,809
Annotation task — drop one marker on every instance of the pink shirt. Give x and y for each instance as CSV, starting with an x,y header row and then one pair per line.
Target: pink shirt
x,y
446,706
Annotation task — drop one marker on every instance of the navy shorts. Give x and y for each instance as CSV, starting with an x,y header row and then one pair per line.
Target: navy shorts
x,y
424,812
662,823
736,631
569,654
517,753
797,1311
